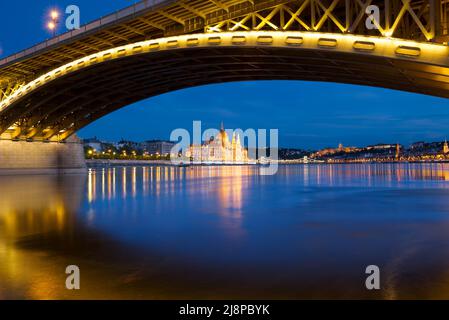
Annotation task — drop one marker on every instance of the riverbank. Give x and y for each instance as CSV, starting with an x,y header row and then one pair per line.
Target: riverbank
x,y
92,163
95,163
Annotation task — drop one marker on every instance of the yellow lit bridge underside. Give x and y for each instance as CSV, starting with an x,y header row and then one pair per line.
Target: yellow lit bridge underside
x,y
432,58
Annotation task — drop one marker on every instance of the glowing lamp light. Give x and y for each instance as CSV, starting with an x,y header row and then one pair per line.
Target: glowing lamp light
x,y
51,25
54,14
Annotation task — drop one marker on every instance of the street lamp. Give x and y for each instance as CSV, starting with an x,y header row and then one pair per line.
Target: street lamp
x,y
54,14
53,23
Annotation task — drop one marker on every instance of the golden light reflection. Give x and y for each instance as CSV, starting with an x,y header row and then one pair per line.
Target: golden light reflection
x,y
134,182
103,184
30,206
231,192
110,195
124,181
91,185
157,181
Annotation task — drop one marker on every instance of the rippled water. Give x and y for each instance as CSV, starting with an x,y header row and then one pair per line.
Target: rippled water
x,y
227,232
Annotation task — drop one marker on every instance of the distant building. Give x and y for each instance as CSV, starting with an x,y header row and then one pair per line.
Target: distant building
x,y
159,147
381,146
398,151
219,149
340,147
128,144
445,147
417,145
293,154
333,151
94,143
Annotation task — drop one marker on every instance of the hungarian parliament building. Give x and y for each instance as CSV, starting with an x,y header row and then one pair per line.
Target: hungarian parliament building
x,y
219,150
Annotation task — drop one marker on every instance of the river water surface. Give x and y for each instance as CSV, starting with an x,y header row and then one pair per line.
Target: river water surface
x,y
227,232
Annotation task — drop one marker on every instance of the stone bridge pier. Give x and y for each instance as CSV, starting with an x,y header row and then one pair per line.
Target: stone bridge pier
x,y
37,157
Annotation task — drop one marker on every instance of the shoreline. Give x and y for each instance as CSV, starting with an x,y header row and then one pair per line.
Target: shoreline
x,y
94,163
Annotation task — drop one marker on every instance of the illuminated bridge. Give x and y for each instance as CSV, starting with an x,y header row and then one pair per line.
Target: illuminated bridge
x,y
53,89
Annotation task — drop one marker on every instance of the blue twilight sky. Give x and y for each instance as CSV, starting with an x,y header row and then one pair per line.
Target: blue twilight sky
x,y
308,115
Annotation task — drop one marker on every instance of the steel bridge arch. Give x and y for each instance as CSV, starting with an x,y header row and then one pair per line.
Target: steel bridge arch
x,y
64,100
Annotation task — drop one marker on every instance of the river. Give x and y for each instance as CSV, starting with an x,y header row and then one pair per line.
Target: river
x,y
216,232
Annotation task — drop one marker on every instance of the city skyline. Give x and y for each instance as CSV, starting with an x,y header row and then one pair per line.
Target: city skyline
x,y
340,145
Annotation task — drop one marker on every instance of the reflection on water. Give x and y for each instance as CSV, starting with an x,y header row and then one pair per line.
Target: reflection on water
x,y
227,232
34,208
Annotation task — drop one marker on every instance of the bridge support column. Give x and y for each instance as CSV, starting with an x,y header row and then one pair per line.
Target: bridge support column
x,y
23,157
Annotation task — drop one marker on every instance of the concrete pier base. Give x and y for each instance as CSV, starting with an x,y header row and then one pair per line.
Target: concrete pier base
x,y
23,157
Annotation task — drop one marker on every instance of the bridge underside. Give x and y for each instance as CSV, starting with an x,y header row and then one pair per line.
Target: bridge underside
x,y
62,106
53,89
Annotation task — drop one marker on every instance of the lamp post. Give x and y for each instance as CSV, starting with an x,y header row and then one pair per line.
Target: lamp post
x,y
53,23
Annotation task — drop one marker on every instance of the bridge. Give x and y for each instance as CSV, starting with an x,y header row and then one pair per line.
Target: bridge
x,y
57,87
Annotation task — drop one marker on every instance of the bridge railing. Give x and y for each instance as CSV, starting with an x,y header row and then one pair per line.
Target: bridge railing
x,y
238,10
125,13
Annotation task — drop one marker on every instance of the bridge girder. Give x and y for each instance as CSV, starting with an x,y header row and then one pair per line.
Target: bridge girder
x,y
405,19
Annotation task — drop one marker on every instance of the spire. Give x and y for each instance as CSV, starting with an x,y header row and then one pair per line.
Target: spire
x,y
222,126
